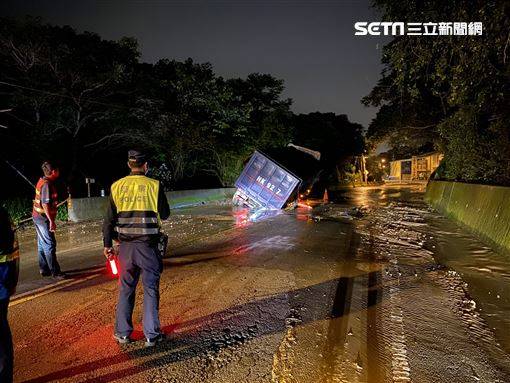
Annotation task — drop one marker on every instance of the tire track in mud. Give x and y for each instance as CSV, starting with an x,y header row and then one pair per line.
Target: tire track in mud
x,y
284,357
347,347
394,320
392,345
401,372
400,237
474,325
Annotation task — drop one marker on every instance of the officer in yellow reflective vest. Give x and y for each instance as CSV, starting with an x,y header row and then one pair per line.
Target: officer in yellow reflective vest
x,y
9,267
137,204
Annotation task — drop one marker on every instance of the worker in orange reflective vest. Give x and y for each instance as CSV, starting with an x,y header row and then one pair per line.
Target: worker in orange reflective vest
x,y
44,214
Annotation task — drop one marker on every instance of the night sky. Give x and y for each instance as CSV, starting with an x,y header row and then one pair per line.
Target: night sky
x,y
309,44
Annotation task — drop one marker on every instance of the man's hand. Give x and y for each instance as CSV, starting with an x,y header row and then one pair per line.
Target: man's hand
x,y
51,216
107,251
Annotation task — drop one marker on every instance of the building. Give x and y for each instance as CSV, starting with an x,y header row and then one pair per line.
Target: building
x,y
415,168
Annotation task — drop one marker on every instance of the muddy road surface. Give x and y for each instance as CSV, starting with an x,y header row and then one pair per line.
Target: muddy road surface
x,y
371,287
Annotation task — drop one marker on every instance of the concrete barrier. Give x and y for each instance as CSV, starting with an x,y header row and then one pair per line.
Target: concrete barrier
x,y
82,209
482,208
184,198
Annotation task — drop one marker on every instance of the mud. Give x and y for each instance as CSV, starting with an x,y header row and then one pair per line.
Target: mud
x,y
372,287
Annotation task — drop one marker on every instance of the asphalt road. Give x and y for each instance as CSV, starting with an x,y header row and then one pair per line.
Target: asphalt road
x,y
369,288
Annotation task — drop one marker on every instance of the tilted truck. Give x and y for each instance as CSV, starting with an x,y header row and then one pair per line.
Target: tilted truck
x,y
265,184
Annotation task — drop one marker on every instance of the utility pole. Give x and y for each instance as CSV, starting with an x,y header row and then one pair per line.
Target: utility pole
x,y
364,169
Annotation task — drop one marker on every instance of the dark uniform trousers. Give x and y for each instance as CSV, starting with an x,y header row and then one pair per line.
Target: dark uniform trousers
x,y
8,277
6,348
137,258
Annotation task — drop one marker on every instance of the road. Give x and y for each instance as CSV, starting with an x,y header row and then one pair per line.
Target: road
x,y
371,287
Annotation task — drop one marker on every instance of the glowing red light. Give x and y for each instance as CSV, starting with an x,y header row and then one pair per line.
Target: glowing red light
x,y
113,267
241,217
304,205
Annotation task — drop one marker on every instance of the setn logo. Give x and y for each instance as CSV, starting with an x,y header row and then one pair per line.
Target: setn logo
x,y
364,28
388,28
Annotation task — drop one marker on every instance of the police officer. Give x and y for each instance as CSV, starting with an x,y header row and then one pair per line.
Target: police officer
x,y
137,204
9,268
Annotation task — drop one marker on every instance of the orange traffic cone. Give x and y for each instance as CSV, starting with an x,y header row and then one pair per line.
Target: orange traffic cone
x,y
325,197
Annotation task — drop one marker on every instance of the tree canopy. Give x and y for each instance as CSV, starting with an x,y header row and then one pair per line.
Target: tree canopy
x,y
448,91
333,135
83,101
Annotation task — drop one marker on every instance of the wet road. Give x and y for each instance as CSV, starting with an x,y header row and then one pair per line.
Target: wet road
x,y
374,287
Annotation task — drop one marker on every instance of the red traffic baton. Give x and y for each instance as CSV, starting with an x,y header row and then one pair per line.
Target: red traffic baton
x,y
112,260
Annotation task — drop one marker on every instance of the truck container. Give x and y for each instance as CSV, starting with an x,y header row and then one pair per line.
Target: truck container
x,y
264,183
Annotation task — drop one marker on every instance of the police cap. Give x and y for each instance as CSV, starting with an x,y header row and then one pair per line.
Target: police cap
x,y
137,156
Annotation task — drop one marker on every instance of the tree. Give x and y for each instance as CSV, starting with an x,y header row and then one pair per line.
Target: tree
x,y
451,91
333,135
200,123
65,88
83,101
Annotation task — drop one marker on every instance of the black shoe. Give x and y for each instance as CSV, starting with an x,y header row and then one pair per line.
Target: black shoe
x,y
122,339
151,342
60,275
45,273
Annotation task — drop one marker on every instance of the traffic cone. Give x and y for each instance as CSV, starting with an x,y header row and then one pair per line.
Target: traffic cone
x,y
325,197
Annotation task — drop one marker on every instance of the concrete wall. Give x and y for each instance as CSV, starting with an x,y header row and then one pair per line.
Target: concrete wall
x,y
82,209
482,208
183,198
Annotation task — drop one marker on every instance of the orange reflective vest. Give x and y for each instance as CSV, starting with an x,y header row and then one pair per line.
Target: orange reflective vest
x,y
38,208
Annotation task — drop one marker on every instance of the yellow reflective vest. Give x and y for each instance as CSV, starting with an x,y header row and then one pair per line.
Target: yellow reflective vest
x,y
9,249
136,200
11,256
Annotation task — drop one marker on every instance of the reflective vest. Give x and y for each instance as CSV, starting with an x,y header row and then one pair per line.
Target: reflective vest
x,y
53,197
136,200
11,255
9,249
